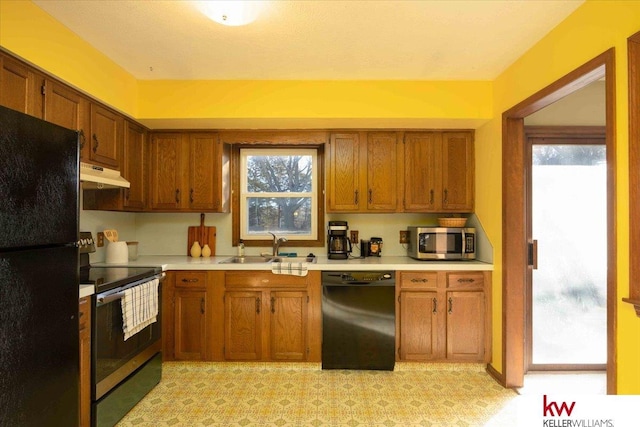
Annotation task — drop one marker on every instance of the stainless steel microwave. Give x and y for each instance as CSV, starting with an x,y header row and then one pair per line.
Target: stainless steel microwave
x,y
427,243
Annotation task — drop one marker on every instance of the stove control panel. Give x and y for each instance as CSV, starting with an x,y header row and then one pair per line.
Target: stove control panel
x,y
86,243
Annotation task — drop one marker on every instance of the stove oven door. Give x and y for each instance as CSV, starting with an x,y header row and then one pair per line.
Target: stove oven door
x,y
113,358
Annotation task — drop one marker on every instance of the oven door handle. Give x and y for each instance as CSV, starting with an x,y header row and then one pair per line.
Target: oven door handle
x,y
109,298
106,298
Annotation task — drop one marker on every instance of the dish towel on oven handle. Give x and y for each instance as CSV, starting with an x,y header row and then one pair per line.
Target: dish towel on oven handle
x,y
139,307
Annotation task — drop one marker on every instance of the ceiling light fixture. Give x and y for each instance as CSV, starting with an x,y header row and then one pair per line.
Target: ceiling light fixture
x,y
231,12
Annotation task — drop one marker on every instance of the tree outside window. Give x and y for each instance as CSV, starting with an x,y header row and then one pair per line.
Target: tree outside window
x,y
278,191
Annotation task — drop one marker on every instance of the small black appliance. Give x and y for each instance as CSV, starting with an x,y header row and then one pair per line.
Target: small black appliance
x,y
339,246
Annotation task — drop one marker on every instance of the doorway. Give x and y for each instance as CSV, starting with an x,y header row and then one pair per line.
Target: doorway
x,y
566,293
514,207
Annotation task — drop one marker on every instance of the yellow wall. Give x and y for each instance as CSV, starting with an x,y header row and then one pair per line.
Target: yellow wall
x,y
315,99
595,27
592,29
29,32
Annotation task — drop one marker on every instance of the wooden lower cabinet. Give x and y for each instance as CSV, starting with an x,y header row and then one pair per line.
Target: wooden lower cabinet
x,y
241,316
272,317
243,325
187,315
444,316
190,324
84,323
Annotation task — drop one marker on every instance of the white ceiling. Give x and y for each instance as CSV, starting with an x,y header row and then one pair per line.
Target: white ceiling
x,y
324,40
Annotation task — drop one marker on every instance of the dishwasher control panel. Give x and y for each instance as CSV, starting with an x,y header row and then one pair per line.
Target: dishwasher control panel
x,y
358,277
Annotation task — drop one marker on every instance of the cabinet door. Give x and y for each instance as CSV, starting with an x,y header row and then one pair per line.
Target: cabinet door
x,y
20,87
133,168
190,328
419,334
288,332
68,108
84,318
203,151
465,325
243,325
457,172
166,167
422,171
382,175
343,184
106,136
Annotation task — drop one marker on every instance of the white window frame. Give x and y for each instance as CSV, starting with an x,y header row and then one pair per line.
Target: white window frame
x,y
245,195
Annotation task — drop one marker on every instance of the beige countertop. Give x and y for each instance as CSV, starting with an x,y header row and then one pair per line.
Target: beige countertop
x,y
86,290
168,262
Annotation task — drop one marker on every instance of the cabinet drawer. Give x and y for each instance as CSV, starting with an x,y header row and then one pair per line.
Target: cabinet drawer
x,y
418,280
191,279
254,279
84,311
465,280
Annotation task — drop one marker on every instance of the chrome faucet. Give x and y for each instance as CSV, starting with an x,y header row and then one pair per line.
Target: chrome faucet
x,y
276,243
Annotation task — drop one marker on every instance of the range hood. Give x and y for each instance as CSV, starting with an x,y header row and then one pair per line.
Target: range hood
x,y
98,177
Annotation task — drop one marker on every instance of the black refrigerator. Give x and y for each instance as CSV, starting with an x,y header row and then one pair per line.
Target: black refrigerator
x,y
39,186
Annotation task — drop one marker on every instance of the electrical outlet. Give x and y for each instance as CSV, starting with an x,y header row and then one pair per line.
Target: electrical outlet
x,y
354,237
404,236
100,239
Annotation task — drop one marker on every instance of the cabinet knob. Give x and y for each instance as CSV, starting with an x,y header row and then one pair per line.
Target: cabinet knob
x,y
370,196
95,143
450,305
258,305
466,280
431,196
419,280
189,280
191,196
177,195
435,306
273,304
355,198
202,305
446,196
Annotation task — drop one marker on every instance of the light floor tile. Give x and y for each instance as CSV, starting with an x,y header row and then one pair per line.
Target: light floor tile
x,y
294,394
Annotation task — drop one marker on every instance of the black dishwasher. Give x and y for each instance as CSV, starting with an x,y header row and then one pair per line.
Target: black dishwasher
x,y
358,320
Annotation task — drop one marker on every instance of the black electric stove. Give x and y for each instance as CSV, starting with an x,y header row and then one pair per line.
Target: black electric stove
x,y
107,278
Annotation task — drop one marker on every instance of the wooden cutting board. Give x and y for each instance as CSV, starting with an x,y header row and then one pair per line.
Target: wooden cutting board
x,y
203,235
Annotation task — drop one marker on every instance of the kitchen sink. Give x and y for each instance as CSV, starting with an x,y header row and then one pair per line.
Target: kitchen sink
x,y
247,260
294,259
262,259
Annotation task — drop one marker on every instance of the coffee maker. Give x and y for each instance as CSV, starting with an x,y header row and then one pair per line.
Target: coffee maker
x,y
339,245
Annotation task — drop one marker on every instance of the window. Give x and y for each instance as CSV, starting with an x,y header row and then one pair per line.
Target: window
x,y
278,193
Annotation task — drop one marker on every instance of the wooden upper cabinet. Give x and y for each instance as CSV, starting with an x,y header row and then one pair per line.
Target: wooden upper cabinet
x,y
68,108
21,87
457,171
438,171
166,171
343,183
134,158
382,171
422,170
208,173
189,172
363,172
106,136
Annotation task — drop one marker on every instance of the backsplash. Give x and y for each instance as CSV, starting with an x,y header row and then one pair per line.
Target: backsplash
x,y
166,233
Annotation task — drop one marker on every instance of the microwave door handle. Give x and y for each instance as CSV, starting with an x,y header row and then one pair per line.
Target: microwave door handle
x,y
464,243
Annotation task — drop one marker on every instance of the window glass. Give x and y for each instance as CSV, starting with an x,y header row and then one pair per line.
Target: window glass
x,y
278,193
